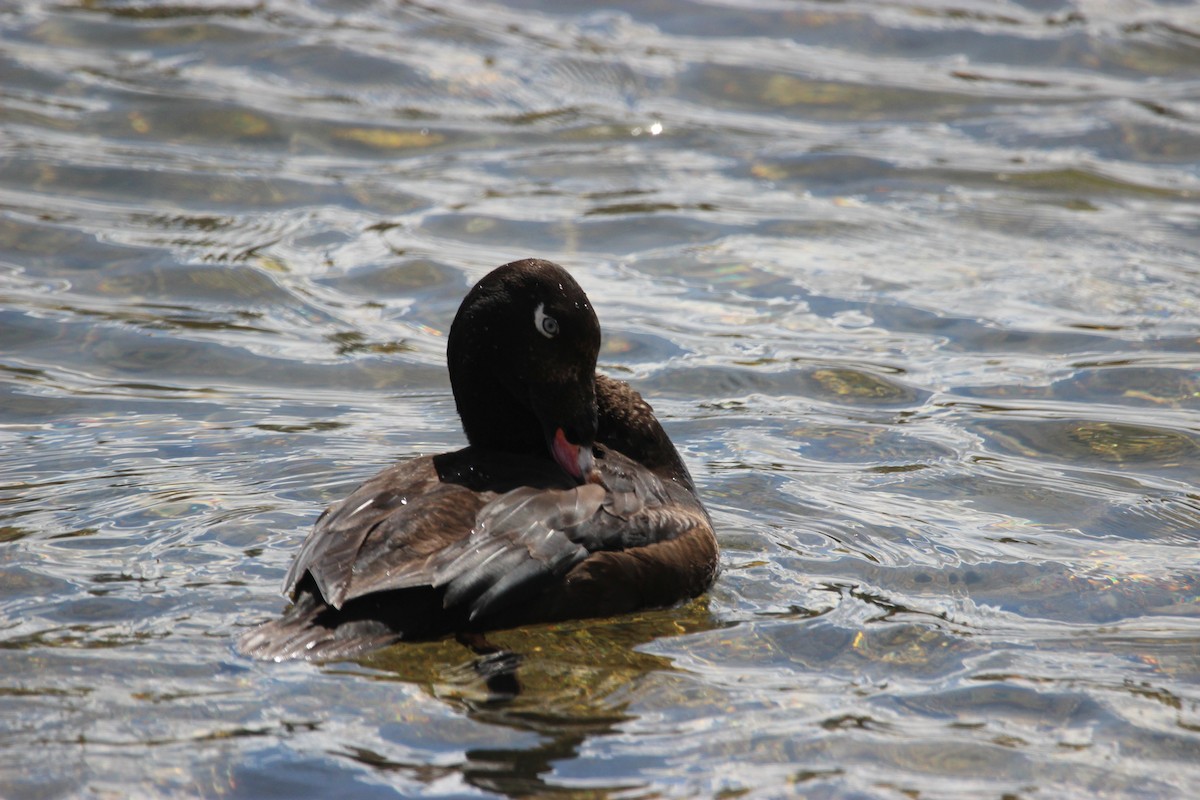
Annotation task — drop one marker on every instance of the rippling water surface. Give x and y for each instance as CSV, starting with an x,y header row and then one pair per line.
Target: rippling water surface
x,y
914,285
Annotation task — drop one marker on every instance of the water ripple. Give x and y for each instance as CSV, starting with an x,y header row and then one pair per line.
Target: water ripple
x,y
912,285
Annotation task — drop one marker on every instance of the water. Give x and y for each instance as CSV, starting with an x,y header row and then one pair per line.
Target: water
x,y
914,286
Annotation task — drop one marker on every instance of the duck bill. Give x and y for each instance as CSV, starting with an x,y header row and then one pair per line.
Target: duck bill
x,y
576,461
567,412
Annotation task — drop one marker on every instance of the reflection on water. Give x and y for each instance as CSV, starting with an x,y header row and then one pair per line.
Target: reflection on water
x,y
564,684
913,286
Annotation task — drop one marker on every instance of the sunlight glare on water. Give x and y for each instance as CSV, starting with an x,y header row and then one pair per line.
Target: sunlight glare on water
x,y
913,286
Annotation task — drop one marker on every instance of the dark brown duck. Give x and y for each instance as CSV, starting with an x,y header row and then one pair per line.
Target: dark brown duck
x,y
570,500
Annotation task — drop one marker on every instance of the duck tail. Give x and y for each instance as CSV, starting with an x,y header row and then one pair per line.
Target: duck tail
x,y
311,630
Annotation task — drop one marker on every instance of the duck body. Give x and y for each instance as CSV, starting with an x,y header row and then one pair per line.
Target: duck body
x,y
570,501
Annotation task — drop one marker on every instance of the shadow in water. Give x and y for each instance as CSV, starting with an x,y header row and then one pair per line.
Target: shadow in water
x,y
565,683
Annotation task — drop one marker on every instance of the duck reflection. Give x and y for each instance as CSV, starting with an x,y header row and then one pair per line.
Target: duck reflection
x,y
564,682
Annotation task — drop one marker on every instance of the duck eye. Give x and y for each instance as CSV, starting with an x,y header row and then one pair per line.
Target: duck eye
x,y
547,325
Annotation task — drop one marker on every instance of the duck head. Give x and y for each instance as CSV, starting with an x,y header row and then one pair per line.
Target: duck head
x,y
522,355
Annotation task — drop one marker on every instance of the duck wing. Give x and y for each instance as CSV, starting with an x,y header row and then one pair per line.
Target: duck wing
x,y
407,527
379,536
529,538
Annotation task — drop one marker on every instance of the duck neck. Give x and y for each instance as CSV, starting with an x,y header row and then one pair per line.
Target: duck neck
x,y
492,417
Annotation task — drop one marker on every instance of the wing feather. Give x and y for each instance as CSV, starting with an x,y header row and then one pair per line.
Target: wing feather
x,y
407,527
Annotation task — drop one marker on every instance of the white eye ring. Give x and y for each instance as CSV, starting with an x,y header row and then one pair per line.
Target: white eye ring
x,y
546,325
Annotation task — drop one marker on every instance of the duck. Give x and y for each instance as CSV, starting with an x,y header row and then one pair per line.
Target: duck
x,y
568,502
